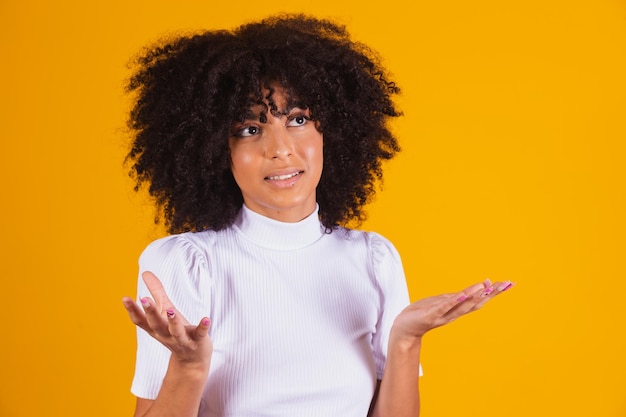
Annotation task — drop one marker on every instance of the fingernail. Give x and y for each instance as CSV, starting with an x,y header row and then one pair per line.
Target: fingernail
x,y
507,287
487,283
488,291
145,302
170,313
206,322
462,298
504,285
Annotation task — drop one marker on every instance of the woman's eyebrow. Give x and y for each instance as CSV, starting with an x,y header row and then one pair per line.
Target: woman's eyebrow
x,y
250,114
253,113
292,104
260,115
260,112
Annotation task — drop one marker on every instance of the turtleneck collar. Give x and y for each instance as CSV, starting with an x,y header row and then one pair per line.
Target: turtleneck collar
x,y
273,234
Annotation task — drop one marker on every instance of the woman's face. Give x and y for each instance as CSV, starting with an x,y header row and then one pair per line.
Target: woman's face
x,y
277,163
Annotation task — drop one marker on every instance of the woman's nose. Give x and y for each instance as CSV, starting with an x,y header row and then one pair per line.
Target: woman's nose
x,y
278,144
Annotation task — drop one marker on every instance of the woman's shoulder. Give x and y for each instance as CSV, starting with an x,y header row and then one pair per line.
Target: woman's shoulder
x,y
185,247
376,244
382,258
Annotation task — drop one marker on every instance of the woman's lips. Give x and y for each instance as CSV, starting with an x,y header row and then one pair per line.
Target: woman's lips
x,y
284,180
284,176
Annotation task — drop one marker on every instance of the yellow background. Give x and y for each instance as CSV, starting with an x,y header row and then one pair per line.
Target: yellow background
x,y
513,168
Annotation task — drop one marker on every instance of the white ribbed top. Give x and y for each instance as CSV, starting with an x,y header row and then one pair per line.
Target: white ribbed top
x,y
300,318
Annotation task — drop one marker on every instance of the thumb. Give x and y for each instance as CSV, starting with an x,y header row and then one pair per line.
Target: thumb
x,y
202,330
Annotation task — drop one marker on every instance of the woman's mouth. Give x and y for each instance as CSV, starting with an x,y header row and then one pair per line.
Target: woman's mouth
x,y
283,177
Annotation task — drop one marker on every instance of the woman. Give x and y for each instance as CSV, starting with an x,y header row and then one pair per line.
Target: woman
x,y
259,146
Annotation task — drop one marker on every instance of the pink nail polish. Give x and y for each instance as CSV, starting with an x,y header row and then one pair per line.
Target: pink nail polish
x,y
488,291
170,313
144,302
462,298
206,322
507,287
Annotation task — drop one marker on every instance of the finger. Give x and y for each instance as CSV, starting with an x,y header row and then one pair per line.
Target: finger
x,y
505,286
134,312
495,290
202,330
466,301
470,291
442,305
156,290
163,302
156,322
175,325
460,303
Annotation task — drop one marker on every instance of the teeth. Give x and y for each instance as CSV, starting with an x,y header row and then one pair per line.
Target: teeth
x,y
283,177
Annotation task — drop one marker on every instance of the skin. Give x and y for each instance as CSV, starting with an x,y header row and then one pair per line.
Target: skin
x,y
191,347
278,164
288,143
398,391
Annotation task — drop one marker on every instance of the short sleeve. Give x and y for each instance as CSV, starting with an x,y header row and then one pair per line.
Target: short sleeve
x,y
393,293
183,270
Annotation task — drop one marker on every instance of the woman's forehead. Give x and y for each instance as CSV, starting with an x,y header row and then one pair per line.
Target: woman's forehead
x,y
276,99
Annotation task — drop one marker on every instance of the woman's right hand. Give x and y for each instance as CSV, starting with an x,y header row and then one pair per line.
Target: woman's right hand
x,y
190,345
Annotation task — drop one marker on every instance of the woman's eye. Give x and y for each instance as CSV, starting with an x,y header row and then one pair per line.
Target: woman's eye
x,y
298,121
248,131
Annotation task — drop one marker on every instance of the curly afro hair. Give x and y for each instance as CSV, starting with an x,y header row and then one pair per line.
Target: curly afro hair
x,y
189,91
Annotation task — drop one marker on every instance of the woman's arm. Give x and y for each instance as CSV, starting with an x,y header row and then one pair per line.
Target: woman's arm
x,y
180,393
190,359
399,392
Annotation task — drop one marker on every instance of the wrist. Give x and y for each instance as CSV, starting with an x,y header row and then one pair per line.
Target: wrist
x,y
405,342
405,333
190,369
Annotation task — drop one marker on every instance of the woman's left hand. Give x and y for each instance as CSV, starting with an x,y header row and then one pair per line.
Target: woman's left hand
x,y
426,314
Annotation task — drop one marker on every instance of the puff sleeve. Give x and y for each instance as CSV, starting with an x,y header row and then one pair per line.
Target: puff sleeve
x,y
183,270
393,294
